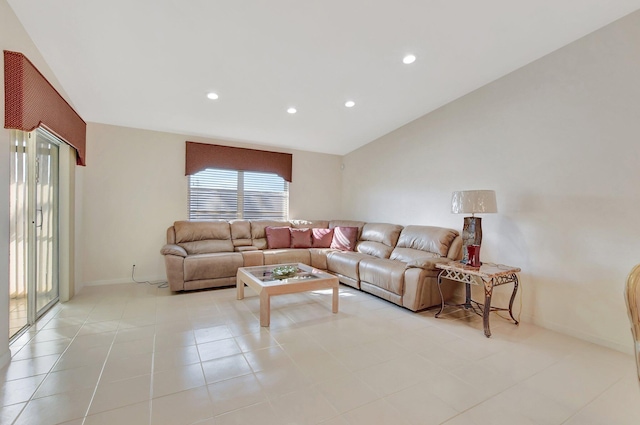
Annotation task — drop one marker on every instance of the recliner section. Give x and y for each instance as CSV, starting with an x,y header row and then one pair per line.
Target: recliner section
x,y
390,261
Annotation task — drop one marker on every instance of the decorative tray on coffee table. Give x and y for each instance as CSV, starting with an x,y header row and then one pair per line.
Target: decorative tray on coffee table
x,y
284,272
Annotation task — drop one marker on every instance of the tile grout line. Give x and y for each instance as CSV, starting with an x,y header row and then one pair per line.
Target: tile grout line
x,y
104,365
54,364
153,359
592,400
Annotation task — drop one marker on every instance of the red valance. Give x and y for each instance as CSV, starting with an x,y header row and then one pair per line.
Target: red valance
x,y
31,101
202,155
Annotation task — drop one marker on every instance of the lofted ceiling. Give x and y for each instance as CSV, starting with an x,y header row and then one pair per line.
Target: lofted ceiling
x,y
150,63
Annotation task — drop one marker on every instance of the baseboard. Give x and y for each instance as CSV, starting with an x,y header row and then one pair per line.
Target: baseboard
x,y
123,280
614,345
5,358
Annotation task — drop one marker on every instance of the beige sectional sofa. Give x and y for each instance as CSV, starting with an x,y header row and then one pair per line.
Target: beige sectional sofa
x,y
390,261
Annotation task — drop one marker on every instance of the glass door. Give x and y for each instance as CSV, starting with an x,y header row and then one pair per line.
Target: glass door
x,y
18,229
46,221
33,255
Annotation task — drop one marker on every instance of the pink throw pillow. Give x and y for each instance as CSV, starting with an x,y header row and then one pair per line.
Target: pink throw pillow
x,y
278,237
300,238
344,238
321,238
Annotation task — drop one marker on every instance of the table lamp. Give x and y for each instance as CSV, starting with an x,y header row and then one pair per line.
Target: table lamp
x,y
473,202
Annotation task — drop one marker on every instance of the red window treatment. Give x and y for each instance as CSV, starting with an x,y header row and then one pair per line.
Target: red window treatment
x,y
202,155
31,101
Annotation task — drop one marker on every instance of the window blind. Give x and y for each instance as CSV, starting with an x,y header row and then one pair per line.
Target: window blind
x,y
229,194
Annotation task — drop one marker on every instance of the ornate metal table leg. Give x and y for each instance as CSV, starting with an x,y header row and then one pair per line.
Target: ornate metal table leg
x,y
441,296
488,290
513,296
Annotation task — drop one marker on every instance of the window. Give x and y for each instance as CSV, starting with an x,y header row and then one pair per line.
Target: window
x,y
228,194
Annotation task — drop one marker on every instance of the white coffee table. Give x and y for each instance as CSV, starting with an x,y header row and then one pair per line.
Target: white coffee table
x,y
261,280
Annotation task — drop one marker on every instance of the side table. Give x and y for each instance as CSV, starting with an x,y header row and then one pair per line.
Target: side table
x,y
488,275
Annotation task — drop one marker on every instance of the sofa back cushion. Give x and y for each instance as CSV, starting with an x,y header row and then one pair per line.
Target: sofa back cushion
x,y
300,238
347,223
428,239
241,232
321,238
309,224
277,237
344,238
379,239
202,237
258,235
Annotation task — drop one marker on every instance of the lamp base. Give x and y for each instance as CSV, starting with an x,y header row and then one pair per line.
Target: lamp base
x,y
471,235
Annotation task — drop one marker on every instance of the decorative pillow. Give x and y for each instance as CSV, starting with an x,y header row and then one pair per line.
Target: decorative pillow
x,y
321,238
300,238
344,238
278,237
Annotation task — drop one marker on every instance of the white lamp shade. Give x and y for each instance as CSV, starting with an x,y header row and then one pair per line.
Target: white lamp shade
x,y
474,201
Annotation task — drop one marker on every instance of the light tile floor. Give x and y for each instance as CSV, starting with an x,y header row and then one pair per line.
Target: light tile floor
x,y
17,314
136,354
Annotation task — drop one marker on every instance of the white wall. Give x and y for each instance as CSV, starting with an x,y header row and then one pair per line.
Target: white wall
x,y
559,141
12,37
134,187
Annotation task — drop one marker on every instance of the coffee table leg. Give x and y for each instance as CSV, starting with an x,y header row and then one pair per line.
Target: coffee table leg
x,y
334,304
240,287
265,308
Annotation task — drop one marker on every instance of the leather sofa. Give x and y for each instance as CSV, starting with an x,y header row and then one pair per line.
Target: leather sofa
x,y
390,261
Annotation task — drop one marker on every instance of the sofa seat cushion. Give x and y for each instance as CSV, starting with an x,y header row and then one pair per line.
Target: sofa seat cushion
x,y
383,273
286,255
319,257
345,263
212,266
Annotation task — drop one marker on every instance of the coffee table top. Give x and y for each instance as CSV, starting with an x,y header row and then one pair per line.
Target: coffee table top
x,y
264,274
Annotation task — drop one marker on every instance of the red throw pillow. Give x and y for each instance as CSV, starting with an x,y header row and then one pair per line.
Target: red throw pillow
x,y
300,238
344,238
278,237
321,238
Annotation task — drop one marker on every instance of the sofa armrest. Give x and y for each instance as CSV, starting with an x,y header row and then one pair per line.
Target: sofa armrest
x,y
171,249
427,263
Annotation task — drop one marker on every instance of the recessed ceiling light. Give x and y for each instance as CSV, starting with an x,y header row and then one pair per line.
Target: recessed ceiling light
x,y
409,59
292,110
349,103
212,95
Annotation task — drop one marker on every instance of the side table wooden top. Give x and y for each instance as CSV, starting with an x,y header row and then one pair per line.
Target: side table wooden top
x,y
486,270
